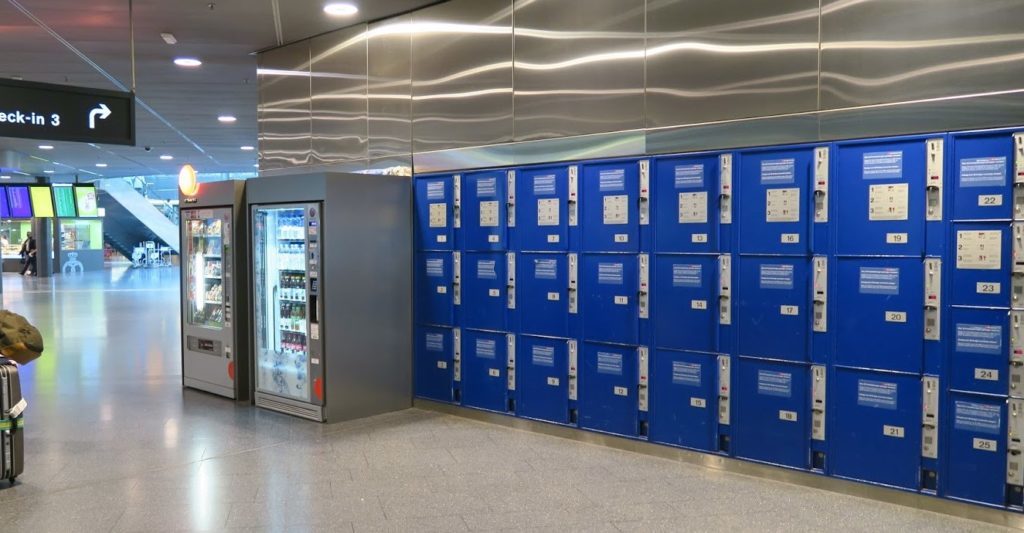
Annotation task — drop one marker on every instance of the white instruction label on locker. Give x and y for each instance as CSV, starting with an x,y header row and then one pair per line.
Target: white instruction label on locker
x,y
893,431
693,207
990,200
622,300
896,316
442,289
787,416
553,382
438,215
790,310
889,201
987,445
489,214
979,250
494,293
553,296
699,238
782,205
699,304
699,403
494,372
547,212
986,374
616,209
621,391
989,288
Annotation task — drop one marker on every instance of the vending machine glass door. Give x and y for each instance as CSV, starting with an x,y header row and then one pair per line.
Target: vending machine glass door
x,y
204,249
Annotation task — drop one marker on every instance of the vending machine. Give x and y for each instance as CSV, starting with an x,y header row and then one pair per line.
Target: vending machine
x,y
214,273
331,294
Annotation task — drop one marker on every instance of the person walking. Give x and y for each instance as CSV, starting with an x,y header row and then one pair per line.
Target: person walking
x,y
28,254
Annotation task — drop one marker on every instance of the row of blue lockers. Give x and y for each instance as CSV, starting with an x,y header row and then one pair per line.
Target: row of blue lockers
x,y
852,264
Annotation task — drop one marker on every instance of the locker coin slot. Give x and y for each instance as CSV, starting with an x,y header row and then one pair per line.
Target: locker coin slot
x,y
456,278
457,200
818,389
573,294
511,358
572,370
644,292
932,298
457,354
724,290
820,283
725,188
1014,444
645,192
936,176
930,417
510,285
573,195
510,204
821,179
724,389
643,381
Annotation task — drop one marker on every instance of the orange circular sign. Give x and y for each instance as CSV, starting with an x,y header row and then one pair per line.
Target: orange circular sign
x,y
188,183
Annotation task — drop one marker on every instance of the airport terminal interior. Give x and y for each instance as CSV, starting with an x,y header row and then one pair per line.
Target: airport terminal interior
x,y
511,265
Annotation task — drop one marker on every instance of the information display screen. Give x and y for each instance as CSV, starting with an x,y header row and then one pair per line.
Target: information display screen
x,y
5,206
85,199
64,201
42,202
20,205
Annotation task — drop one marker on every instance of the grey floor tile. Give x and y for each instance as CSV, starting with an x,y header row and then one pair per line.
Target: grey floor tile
x,y
441,524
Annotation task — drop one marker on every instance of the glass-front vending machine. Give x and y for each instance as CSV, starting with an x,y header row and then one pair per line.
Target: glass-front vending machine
x,y
215,337
331,288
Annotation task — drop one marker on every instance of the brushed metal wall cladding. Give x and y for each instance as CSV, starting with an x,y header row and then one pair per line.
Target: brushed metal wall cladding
x,y
462,74
883,51
338,84
710,60
284,114
389,88
579,67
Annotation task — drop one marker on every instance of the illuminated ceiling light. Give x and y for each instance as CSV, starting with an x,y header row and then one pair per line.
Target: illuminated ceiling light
x,y
169,38
187,62
188,182
5,177
167,157
247,148
48,172
46,147
227,119
101,165
340,10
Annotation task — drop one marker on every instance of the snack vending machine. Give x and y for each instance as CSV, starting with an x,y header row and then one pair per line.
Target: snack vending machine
x,y
214,270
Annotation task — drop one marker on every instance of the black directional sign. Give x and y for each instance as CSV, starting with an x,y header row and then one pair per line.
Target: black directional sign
x,y
32,110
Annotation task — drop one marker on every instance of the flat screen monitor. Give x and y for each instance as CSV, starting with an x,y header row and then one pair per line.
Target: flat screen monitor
x,y
20,205
5,206
85,199
42,201
64,201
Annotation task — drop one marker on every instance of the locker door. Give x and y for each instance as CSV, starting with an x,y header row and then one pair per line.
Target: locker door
x,y
484,279
543,294
484,210
435,288
880,305
542,209
685,302
484,370
434,363
609,298
772,306
983,176
976,461
775,201
980,360
772,411
608,389
435,215
543,374
982,268
882,187
686,204
610,207
683,399
876,427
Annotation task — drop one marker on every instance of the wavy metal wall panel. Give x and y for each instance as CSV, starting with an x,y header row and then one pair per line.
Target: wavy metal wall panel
x,y
710,60
284,114
389,89
462,74
877,51
338,85
579,67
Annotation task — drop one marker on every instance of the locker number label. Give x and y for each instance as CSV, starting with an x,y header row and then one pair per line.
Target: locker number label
x,y
553,382
787,416
782,205
896,238
790,238
893,431
442,238
899,317
492,238
494,293
990,200
438,215
987,445
699,238
442,364
494,372
989,288
554,296
699,403
621,391
442,289
889,201
979,250
790,310
986,374
621,237
699,305
554,239
622,300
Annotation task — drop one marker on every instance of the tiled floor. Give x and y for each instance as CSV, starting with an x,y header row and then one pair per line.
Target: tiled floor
x,y
115,444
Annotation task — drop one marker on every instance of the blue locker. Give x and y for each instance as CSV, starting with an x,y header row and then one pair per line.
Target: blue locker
x,y
685,302
608,398
775,201
976,459
435,213
542,294
543,378
983,175
610,207
981,269
980,351
542,209
876,427
485,210
772,413
435,288
880,187
686,197
435,363
879,313
609,298
485,370
772,305
684,399
484,298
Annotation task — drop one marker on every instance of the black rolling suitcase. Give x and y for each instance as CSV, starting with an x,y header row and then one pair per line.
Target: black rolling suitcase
x,y
12,422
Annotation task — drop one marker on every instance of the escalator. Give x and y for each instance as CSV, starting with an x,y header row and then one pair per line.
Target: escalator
x,y
131,219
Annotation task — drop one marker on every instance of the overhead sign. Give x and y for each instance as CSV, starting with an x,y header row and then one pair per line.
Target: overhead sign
x,y
32,110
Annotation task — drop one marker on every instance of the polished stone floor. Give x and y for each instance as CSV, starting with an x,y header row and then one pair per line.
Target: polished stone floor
x,y
114,444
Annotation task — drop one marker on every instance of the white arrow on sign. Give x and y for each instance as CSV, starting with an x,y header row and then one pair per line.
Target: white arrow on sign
x,y
102,111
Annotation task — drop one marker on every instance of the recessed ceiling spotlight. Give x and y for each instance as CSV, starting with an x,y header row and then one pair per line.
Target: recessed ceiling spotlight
x,y
340,9
167,157
101,165
227,119
169,38
248,148
46,147
187,62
